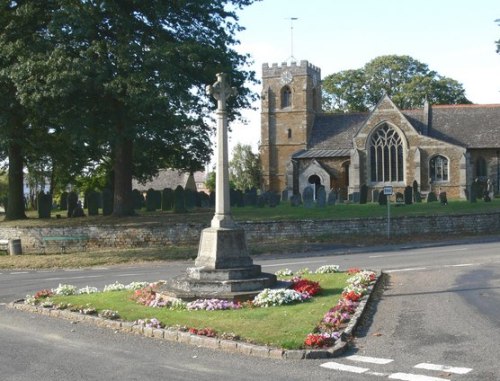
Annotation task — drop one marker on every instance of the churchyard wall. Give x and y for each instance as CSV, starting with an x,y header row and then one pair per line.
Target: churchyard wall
x,y
90,238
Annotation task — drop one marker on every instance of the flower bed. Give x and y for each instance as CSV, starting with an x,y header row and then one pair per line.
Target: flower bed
x,y
301,290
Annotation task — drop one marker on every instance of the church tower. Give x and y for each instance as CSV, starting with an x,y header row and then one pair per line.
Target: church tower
x,y
290,99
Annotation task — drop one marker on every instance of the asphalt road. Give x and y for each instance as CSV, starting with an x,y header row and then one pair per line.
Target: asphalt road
x,y
437,319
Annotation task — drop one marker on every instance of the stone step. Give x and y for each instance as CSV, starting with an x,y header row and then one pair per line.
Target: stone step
x,y
206,274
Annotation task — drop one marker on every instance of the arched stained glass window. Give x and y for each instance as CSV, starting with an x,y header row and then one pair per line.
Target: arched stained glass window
x,y
286,97
438,168
386,155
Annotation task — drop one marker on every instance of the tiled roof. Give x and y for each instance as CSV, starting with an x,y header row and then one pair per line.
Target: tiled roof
x,y
471,126
335,131
315,153
167,178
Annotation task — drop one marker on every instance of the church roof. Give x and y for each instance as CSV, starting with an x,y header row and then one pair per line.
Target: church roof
x,y
470,126
335,131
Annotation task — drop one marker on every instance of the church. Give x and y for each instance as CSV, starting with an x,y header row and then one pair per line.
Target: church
x,y
444,148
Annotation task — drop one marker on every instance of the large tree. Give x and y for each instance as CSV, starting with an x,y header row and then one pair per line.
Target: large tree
x,y
244,168
498,41
128,79
407,81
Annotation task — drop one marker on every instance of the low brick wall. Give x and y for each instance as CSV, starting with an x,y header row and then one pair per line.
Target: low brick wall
x,y
159,235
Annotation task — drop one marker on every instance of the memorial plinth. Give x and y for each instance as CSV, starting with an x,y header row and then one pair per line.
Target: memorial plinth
x,y
223,268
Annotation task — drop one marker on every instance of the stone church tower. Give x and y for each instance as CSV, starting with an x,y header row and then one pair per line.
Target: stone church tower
x,y
291,98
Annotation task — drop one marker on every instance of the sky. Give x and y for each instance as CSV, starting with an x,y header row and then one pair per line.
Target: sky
x,y
454,38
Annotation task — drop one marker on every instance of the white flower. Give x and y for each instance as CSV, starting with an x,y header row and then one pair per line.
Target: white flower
x,y
87,290
276,297
65,289
114,287
283,273
327,269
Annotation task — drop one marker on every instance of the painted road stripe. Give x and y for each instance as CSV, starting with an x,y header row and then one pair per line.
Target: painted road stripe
x,y
377,374
444,368
293,263
77,277
19,272
408,269
371,360
415,377
346,368
461,265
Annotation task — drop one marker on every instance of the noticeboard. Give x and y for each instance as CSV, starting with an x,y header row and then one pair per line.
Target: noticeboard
x,y
388,190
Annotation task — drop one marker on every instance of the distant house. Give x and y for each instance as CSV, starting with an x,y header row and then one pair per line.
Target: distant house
x,y
171,178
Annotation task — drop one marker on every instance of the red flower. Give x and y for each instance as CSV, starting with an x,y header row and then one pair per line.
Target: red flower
x,y
351,295
315,340
42,294
353,270
306,286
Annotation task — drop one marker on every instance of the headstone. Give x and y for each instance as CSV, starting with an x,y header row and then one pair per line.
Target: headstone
x,y
71,203
308,197
284,195
375,193
321,197
355,197
443,199
295,200
250,198
332,197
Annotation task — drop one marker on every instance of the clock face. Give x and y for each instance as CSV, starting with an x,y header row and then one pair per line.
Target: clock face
x,y
286,77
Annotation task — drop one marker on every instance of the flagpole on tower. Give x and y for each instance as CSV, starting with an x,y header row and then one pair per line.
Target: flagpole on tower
x,y
292,19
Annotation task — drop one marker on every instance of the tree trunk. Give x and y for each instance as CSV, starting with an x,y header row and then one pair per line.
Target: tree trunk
x,y
15,205
123,204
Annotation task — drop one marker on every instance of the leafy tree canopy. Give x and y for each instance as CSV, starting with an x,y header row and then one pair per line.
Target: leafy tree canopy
x,y
244,168
125,79
407,81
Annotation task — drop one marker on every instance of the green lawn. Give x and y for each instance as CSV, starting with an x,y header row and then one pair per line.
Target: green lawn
x,y
284,326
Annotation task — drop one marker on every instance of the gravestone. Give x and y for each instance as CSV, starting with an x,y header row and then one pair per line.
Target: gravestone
x,y
250,197
284,195
295,200
308,197
321,197
332,197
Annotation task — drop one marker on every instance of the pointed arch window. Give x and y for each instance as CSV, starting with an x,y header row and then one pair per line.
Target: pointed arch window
x,y
438,168
286,97
386,155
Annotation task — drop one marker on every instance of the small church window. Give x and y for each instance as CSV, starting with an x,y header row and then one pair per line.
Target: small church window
x,y
386,155
286,97
438,167
289,132
481,168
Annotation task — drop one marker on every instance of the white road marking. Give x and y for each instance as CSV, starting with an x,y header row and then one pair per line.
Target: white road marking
x,y
461,265
127,274
416,252
77,277
415,377
377,374
407,269
19,272
347,368
293,263
371,360
444,368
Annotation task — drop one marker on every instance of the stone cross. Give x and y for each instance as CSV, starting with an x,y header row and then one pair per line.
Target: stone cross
x,y
221,91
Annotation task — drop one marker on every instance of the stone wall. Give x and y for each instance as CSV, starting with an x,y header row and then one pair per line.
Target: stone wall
x,y
159,235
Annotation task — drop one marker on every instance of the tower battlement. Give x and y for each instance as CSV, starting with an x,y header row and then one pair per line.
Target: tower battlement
x,y
301,68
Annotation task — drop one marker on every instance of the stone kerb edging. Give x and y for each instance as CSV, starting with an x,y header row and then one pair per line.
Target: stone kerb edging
x,y
232,346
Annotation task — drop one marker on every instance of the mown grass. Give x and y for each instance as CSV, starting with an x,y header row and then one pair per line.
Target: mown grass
x,y
283,326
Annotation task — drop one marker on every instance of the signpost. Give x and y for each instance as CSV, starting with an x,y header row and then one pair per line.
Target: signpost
x,y
388,191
